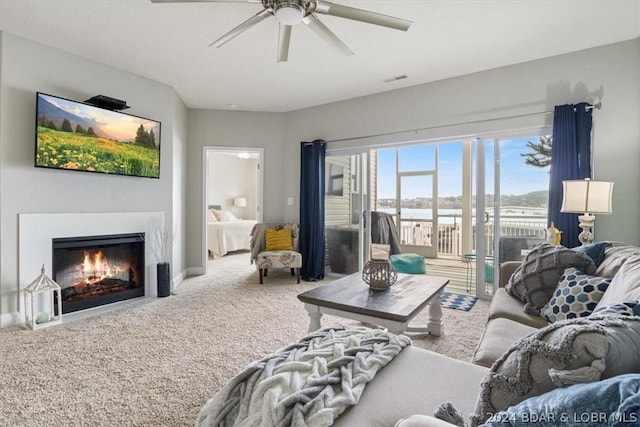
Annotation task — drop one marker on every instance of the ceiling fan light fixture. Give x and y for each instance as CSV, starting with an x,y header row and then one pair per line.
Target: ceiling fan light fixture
x,y
289,12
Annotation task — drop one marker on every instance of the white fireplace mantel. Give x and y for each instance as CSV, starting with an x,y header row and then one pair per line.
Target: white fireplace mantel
x,y
36,231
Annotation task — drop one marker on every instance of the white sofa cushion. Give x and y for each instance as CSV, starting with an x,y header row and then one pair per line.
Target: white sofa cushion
x,y
614,257
506,306
625,286
414,382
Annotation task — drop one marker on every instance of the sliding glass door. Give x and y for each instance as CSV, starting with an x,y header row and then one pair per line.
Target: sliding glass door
x,y
510,210
463,204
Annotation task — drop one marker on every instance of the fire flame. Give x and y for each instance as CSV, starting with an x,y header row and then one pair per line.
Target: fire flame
x,y
96,268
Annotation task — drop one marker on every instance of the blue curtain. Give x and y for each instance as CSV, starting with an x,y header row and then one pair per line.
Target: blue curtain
x,y
311,240
570,159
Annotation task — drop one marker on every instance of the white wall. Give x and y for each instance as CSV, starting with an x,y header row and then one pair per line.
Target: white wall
x,y
28,67
179,189
233,129
231,177
611,73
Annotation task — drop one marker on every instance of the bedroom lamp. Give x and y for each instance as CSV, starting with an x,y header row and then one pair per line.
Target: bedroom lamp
x,y
240,202
586,197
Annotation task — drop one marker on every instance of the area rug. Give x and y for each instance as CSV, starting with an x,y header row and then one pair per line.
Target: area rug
x,y
156,363
457,301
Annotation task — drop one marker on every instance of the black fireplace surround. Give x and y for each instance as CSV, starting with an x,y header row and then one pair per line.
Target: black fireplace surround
x,y
98,270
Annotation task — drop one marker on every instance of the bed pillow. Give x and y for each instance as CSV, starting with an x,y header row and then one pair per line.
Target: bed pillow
x,y
211,216
228,216
576,295
278,240
218,214
224,216
535,280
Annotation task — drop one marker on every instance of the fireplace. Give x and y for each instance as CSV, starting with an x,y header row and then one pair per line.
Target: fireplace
x,y
98,270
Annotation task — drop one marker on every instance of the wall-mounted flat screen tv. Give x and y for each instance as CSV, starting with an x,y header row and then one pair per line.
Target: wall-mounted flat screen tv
x,y
78,136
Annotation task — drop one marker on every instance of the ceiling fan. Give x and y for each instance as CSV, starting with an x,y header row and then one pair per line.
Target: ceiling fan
x,y
292,12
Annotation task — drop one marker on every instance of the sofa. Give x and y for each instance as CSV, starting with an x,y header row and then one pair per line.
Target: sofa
x,y
523,361
515,318
508,318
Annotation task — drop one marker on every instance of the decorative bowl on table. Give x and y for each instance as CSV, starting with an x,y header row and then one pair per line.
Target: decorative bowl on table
x,y
379,274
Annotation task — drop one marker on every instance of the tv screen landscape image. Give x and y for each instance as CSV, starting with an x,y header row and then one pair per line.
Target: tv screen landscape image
x,y
78,136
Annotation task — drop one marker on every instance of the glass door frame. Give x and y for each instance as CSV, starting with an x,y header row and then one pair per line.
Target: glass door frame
x,y
498,138
482,290
480,192
431,250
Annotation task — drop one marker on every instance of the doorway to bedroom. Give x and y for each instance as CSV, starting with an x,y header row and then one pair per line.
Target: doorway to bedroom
x,y
232,199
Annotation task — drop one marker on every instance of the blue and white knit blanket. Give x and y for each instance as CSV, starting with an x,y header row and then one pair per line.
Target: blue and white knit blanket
x,y
306,384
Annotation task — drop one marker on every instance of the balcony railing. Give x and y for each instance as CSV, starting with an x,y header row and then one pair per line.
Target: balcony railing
x,y
420,232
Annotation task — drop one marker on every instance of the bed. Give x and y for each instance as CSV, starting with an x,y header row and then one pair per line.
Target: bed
x,y
226,233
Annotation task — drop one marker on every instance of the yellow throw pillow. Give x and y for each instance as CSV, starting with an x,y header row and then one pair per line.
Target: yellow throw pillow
x,y
278,240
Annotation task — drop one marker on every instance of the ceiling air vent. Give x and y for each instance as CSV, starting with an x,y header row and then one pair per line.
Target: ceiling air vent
x,y
395,79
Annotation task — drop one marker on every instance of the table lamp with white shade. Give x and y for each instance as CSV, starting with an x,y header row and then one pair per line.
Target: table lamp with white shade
x,y
586,197
240,202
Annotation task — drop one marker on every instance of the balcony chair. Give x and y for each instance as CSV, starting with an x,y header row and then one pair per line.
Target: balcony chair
x,y
275,245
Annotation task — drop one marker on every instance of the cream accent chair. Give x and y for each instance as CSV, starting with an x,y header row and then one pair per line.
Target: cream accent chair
x,y
265,260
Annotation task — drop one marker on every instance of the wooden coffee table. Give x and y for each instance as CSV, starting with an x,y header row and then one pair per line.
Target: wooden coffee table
x,y
352,298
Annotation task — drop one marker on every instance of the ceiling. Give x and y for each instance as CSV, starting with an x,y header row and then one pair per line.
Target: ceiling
x,y
168,43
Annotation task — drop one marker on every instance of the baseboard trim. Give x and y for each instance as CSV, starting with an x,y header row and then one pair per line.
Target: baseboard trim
x,y
195,271
178,279
10,319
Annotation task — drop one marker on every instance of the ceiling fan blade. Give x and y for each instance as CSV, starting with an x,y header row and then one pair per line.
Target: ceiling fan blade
x,y
255,19
328,8
325,34
284,40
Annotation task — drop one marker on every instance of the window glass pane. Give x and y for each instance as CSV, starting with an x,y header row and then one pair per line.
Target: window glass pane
x,y
450,174
418,158
524,174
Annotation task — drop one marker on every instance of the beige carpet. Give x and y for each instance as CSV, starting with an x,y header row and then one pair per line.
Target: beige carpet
x,y
157,363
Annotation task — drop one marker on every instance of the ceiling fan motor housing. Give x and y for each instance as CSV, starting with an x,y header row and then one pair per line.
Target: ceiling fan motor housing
x,y
288,12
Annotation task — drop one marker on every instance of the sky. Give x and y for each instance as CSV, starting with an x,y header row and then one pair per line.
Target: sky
x,y
118,125
516,177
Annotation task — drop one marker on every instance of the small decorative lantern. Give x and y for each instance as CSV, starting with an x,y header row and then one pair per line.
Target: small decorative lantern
x,y
379,274
39,297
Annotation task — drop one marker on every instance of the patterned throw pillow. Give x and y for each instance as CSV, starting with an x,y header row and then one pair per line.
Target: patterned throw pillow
x,y
613,400
620,309
594,250
278,240
576,295
535,280
562,353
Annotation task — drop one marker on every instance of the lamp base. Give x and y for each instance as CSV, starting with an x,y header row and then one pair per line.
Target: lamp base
x,y
586,223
